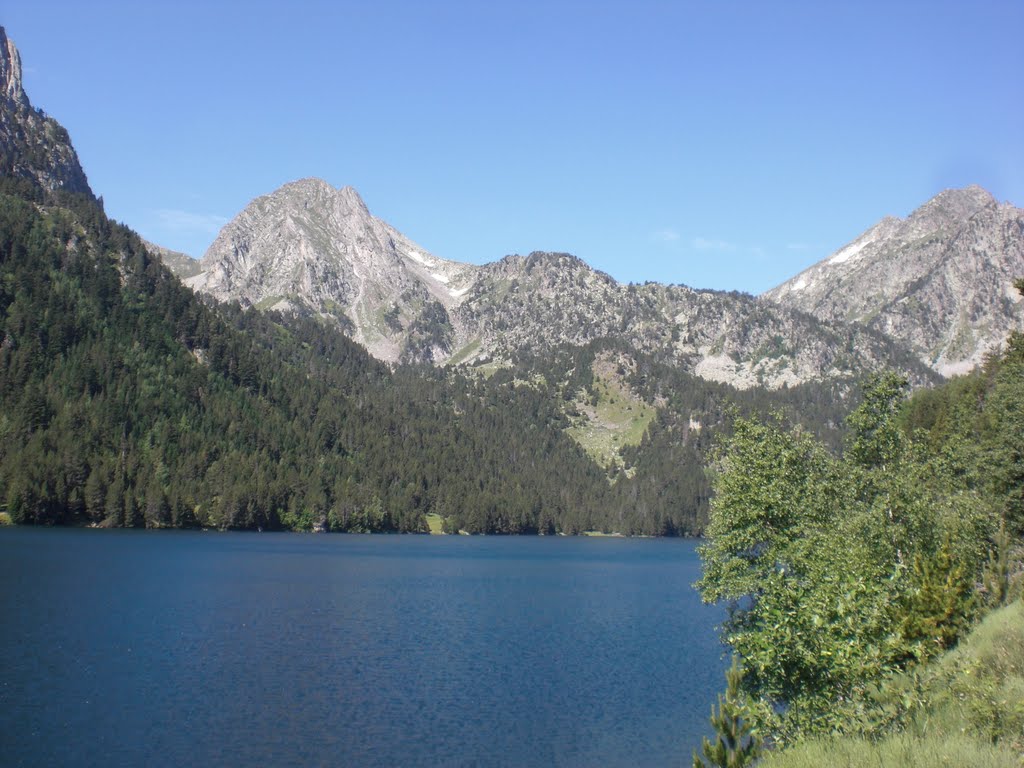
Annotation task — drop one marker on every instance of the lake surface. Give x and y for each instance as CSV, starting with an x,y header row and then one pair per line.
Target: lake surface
x,y
188,648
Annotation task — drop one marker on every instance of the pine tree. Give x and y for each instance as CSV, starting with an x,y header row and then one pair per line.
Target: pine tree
x,y
940,604
996,574
737,744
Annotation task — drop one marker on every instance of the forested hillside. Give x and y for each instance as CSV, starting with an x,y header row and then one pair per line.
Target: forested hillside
x,y
660,481
129,401
126,400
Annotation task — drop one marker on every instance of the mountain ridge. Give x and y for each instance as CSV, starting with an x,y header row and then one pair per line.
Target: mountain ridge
x,y
939,281
33,146
309,247
130,400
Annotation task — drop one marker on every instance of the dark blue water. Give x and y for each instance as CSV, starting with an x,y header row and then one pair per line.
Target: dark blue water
x,y
176,648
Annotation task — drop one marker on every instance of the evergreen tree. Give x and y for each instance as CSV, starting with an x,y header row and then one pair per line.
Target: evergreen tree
x,y
736,743
939,605
996,576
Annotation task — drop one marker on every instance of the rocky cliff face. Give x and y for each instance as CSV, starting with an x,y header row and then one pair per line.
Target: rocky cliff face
x,y
179,263
940,281
310,247
32,145
544,300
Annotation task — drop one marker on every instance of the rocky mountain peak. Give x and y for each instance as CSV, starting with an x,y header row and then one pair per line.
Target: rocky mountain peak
x,y
310,247
954,205
939,281
10,72
314,194
32,145
309,187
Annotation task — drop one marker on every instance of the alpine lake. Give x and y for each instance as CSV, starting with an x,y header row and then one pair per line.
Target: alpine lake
x,y
170,648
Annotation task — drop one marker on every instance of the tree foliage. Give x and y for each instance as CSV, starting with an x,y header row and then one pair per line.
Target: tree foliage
x,y
839,571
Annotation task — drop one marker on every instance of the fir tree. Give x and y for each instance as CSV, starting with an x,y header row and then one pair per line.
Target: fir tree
x,y
736,744
996,574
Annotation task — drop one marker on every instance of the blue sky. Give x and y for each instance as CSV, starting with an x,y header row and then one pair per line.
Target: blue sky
x,y
717,144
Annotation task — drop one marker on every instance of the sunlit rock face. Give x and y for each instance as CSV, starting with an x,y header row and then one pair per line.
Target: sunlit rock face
x,y
308,247
311,247
33,146
939,281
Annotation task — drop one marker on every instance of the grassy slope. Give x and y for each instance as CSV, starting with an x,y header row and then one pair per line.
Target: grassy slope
x,y
966,709
619,418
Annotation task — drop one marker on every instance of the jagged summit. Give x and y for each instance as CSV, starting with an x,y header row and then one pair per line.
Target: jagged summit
x,y
940,281
958,202
316,189
10,72
32,145
308,246
311,247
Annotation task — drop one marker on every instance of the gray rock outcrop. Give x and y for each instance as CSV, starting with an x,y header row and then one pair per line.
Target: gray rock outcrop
x,y
32,145
939,281
309,247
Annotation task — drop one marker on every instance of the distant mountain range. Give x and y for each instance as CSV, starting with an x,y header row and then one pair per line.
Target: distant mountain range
x,y
308,247
932,293
559,400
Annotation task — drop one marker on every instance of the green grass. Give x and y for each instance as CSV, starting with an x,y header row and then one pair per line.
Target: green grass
x,y
900,751
620,418
267,302
465,353
965,709
5,519
435,523
489,369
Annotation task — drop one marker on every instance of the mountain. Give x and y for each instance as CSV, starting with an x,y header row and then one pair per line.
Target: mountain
x,y
308,247
939,281
128,400
33,146
179,263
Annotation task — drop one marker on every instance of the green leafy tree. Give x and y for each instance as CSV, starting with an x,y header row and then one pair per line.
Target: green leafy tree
x,y
835,570
996,574
877,439
771,488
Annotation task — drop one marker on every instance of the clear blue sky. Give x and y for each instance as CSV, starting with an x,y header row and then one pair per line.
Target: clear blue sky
x,y
717,144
